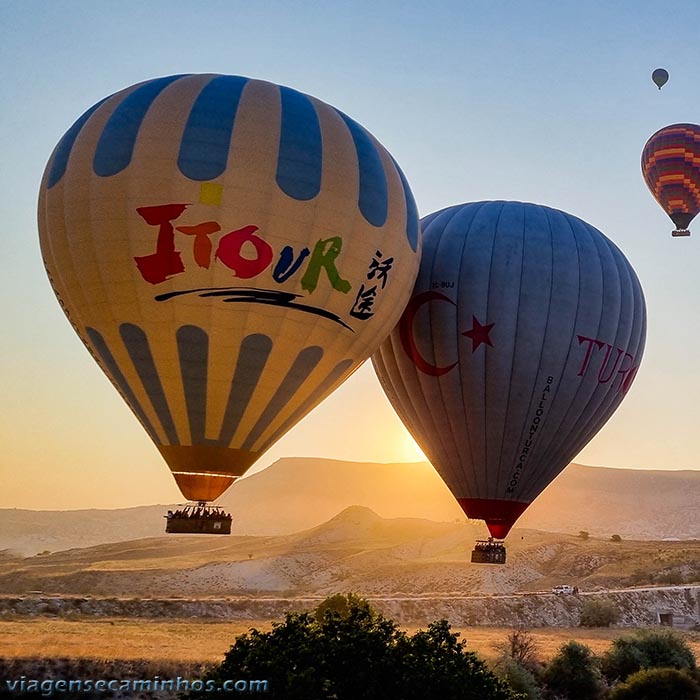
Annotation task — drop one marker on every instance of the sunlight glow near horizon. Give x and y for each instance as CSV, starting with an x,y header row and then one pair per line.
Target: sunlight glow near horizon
x,y
545,103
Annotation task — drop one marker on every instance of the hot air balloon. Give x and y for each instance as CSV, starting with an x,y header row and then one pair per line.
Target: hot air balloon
x,y
229,251
524,332
671,169
660,77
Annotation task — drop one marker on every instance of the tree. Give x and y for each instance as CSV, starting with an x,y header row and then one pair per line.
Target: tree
x,y
339,604
599,613
345,650
657,683
646,649
521,646
574,674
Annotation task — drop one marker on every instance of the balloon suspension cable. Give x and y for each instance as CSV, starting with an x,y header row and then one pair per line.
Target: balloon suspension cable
x,y
680,232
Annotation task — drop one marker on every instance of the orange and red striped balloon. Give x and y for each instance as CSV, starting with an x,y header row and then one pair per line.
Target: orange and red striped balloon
x,y
671,169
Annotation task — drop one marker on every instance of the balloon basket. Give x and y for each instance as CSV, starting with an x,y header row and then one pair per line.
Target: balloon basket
x,y
198,519
680,232
489,551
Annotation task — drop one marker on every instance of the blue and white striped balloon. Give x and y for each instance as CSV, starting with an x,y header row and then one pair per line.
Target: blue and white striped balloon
x,y
229,251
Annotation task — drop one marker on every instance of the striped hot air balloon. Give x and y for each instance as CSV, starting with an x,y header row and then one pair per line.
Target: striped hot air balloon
x,y
523,334
229,251
671,169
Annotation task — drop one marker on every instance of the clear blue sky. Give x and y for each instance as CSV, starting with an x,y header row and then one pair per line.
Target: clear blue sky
x,y
549,102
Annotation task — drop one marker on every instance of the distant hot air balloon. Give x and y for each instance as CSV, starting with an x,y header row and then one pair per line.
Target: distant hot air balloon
x,y
671,169
524,332
229,251
660,77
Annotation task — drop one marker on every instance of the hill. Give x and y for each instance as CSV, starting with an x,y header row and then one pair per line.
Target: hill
x,y
634,503
294,494
355,550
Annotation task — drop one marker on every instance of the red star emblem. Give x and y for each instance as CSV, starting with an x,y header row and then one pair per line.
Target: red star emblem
x,y
479,334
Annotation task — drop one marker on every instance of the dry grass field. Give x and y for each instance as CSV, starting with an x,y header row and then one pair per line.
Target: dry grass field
x,y
187,641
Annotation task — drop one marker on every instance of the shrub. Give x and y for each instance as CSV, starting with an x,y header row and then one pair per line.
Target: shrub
x,y
616,538
574,674
584,534
672,578
638,576
657,683
518,677
599,613
646,649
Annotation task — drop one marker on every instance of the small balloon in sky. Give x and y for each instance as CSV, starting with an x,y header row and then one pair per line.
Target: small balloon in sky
x,y
660,77
229,251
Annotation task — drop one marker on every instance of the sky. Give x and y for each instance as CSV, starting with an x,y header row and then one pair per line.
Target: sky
x,y
530,100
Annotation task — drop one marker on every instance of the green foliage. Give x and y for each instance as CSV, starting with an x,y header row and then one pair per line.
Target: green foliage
x,y
657,683
599,613
518,677
646,649
435,665
345,651
574,674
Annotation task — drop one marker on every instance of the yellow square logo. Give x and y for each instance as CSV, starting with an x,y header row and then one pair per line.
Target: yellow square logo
x,y
210,193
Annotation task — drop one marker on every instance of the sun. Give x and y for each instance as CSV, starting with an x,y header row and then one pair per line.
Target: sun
x,y
410,451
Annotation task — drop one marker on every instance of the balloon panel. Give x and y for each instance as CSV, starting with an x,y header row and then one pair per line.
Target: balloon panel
x,y
229,251
671,169
523,334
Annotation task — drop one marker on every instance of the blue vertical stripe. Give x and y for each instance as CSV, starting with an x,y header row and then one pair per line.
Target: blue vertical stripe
x,y
136,343
373,198
300,159
119,379
193,349
412,223
116,144
65,146
207,137
305,362
252,357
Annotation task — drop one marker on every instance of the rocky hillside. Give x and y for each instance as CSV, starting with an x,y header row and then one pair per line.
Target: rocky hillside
x,y
636,607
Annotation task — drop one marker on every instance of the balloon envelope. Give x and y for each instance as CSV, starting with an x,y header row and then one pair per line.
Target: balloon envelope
x,y
660,77
523,334
671,169
229,251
